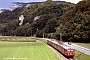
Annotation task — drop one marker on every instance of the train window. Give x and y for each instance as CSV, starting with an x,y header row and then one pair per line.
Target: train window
x,y
72,50
69,50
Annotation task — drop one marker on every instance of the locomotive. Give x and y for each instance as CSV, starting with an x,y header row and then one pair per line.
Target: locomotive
x,y
64,49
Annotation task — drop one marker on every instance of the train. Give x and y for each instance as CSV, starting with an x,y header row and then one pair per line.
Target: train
x,y
64,49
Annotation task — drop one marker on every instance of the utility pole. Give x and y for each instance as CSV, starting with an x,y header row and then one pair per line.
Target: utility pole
x,y
51,35
43,35
60,36
31,33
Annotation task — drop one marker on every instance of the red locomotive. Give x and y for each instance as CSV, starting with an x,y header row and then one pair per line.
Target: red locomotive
x,y
64,49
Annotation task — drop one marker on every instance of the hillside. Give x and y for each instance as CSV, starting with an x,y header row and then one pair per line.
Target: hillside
x,y
49,13
49,18
76,23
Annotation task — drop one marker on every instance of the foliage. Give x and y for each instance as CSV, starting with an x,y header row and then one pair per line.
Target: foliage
x,y
76,25
49,12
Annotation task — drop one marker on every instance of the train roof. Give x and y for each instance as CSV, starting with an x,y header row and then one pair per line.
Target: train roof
x,y
61,44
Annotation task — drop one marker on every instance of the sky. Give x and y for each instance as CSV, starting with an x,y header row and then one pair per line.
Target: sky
x,y
7,3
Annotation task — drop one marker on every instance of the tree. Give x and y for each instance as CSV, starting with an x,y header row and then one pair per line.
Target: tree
x,y
51,25
49,12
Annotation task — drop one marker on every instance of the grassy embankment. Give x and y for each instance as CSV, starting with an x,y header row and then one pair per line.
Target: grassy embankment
x,y
83,56
25,50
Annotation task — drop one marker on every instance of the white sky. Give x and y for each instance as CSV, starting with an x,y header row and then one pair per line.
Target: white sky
x,y
72,1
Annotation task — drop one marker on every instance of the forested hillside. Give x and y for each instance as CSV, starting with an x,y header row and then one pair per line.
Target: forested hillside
x,y
75,24
49,18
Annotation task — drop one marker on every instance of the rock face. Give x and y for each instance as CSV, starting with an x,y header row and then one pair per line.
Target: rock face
x,y
21,18
2,10
15,5
37,17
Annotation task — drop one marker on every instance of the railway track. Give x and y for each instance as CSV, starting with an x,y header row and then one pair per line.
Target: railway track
x,y
57,52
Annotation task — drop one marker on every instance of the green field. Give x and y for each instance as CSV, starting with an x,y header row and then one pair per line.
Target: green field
x,y
23,48
26,51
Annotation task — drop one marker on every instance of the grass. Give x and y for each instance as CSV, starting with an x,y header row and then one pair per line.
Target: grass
x,y
82,56
26,51
87,45
30,50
